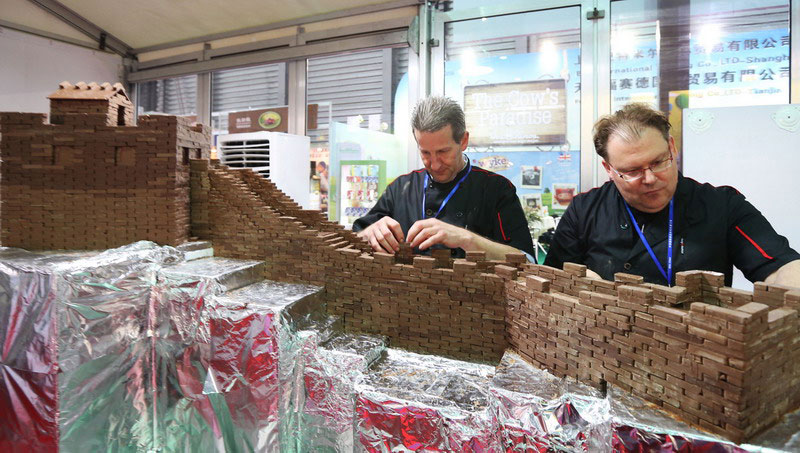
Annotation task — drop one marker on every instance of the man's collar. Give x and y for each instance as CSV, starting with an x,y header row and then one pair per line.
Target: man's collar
x,y
458,176
684,193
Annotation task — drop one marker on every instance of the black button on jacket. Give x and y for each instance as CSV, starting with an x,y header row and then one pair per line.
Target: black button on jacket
x,y
715,228
485,203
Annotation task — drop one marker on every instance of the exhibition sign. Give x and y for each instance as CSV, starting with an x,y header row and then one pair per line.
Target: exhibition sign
x,y
537,169
749,68
517,113
273,119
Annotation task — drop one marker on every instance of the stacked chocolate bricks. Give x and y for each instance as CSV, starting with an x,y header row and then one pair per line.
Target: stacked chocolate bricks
x,y
722,359
91,179
424,303
725,360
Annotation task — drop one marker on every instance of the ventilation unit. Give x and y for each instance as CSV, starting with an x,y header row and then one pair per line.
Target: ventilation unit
x,y
281,158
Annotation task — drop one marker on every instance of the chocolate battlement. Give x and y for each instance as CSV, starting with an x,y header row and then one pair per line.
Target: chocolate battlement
x,y
723,359
91,179
91,104
424,303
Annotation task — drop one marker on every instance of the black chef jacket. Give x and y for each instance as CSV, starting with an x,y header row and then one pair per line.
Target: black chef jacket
x,y
715,228
485,203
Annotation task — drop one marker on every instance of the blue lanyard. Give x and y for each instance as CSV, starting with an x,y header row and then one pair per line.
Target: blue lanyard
x,y
668,274
425,190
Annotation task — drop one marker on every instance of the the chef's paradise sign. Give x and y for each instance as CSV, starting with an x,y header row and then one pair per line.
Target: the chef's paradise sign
x,y
516,113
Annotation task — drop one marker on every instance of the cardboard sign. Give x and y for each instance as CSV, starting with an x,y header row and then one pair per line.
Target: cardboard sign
x,y
274,119
518,113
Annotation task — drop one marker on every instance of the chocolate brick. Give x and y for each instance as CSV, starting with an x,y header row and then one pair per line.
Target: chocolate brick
x,y
578,270
621,277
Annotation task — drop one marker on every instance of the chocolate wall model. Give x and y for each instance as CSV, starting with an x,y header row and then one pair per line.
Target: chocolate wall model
x,y
91,179
725,360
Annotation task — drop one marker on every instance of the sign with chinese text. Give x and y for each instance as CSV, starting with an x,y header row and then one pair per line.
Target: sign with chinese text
x,y
749,68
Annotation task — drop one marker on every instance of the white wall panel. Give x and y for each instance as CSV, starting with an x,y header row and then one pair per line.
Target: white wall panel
x,y
31,68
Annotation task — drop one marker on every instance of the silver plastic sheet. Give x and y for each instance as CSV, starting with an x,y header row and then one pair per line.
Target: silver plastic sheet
x,y
224,273
415,402
255,366
180,337
133,350
784,436
638,425
74,351
539,411
192,413
29,357
411,401
104,347
330,375
99,353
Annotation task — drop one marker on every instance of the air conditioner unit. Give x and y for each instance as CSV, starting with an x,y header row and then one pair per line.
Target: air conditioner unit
x,y
281,158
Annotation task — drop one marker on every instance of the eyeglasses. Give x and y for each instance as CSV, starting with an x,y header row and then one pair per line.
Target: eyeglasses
x,y
633,175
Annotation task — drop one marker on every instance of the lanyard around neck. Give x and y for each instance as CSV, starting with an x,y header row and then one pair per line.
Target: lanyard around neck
x,y
668,274
425,190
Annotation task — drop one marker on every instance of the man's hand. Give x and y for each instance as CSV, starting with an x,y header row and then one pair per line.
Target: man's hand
x,y
592,274
385,235
426,233
786,275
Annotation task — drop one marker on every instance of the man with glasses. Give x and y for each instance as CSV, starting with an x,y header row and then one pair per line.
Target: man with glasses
x,y
651,221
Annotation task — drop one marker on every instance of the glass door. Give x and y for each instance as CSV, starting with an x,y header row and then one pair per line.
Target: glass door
x,y
517,76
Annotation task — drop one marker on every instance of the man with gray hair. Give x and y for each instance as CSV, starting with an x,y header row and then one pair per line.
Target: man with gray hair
x,y
450,203
649,220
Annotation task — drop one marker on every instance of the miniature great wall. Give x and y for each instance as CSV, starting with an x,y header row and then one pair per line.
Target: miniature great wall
x,y
91,179
725,360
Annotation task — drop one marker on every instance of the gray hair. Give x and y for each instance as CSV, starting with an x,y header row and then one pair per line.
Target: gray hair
x,y
433,113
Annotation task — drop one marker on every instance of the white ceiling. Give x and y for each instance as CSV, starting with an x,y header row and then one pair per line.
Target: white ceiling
x,y
27,15
146,23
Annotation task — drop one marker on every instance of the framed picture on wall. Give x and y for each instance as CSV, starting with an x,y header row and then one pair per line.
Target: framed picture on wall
x,y
532,201
563,195
531,177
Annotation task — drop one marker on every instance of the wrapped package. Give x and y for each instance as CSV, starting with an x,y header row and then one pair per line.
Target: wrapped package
x,y
416,402
330,374
254,372
76,350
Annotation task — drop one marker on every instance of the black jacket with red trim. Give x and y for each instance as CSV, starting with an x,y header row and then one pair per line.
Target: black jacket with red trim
x,y
486,203
715,228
